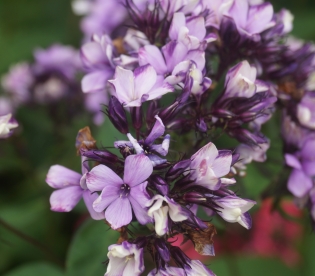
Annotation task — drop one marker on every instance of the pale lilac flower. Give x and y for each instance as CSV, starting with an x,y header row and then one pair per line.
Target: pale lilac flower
x,y
102,16
170,56
134,88
241,81
7,123
168,271
185,69
191,31
217,9
147,145
303,163
97,57
208,165
57,58
234,209
120,196
125,259
306,110
71,188
172,6
17,82
160,213
251,20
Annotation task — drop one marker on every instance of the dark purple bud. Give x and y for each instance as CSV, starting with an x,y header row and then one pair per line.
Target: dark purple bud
x,y
177,170
247,137
168,113
201,125
235,158
162,248
222,113
184,96
102,156
117,115
194,197
159,184
151,112
136,117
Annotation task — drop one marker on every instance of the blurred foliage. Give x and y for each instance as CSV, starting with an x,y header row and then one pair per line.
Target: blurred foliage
x,y
36,241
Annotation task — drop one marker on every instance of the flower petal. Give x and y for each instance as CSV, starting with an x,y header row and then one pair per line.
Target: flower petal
x,y
299,183
89,198
108,195
156,132
96,81
60,177
119,213
137,169
100,177
65,199
145,78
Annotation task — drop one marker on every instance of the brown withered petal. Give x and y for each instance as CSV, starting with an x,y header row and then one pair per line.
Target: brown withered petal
x,y
85,140
202,239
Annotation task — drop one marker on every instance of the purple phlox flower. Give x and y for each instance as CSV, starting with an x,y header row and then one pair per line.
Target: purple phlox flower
x,y
97,58
251,20
234,209
191,31
303,163
102,16
161,213
134,88
185,69
208,165
71,187
120,196
134,40
171,54
147,145
124,260
241,81
306,110
7,123
17,82
172,6
217,8
59,58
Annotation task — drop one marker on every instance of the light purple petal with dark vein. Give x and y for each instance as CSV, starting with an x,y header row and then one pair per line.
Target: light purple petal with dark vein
x,y
108,195
64,200
137,169
60,177
119,213
145,78
89,198
100,177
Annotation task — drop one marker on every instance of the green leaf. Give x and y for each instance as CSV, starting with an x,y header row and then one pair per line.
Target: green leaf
x,y
89,249
36,269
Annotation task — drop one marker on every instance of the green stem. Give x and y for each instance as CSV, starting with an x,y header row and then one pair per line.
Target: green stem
x,y
49,254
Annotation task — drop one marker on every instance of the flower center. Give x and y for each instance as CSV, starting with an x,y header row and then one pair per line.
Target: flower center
x,y
124,190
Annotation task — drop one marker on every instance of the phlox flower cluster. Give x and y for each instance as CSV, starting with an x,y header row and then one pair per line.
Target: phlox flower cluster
x,y
167,71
